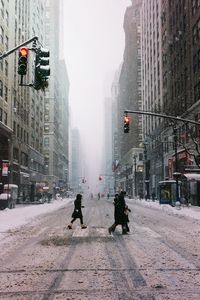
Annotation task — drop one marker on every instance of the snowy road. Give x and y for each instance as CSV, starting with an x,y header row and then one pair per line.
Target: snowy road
x,y
159,259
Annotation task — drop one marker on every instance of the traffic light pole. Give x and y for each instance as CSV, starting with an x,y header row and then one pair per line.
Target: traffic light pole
x,y
33,39
175,120
147,113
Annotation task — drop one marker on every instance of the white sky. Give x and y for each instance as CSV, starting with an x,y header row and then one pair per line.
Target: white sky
x,y
93,40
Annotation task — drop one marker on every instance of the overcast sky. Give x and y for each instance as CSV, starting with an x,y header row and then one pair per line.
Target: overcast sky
x,y
93,40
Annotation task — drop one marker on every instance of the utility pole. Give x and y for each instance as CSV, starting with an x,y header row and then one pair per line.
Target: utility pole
x,y
135,174
176,173
146,178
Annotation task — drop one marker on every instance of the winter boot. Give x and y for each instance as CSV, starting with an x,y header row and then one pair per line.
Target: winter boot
x,y
124,229
69,226
111,228
83,226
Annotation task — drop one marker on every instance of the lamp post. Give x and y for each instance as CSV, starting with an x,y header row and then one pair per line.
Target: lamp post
x,y
146,171
176,174
135,173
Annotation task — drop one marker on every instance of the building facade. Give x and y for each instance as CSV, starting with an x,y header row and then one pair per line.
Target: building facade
x,y
29,125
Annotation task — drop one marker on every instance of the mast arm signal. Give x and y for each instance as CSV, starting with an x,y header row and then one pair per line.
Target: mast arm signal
x,y
147,113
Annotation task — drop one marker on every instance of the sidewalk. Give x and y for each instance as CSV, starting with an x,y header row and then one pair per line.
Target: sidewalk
x,y
191,211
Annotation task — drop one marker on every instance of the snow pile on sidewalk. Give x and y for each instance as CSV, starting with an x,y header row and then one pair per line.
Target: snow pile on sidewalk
x,y
12,218
191,211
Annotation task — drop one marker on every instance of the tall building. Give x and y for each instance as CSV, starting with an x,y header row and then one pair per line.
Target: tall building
x,y
130,79
129,97
33,124
152,87
56,104
64,126
22,106
181,85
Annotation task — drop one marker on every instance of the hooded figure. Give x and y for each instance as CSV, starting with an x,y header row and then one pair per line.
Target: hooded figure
x,y
77,213
119,215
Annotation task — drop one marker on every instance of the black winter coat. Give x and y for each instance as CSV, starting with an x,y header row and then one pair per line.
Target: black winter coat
x,y
77,213
120,217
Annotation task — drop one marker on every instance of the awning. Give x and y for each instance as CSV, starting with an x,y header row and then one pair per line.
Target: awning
x,y
192,176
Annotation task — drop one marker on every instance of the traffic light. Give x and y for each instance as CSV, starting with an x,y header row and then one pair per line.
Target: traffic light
x,y
100,178
23,60
42,69
126,124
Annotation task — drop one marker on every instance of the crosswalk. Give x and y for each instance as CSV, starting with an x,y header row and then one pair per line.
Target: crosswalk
x,y
90,231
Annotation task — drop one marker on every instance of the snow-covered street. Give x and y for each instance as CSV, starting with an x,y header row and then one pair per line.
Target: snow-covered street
x,y
10,219
42,259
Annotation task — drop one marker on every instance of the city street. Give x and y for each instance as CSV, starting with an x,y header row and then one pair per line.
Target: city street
x,y
158,259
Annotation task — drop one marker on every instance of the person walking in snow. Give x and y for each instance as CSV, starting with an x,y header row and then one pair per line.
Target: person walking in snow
x,y
119,214
77,213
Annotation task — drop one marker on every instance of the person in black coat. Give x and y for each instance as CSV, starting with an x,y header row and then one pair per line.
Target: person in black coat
x,y
119,215
77,213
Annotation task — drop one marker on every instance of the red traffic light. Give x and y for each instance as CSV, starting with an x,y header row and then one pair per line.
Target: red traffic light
x,y
23,51
126,124
23,61
126,120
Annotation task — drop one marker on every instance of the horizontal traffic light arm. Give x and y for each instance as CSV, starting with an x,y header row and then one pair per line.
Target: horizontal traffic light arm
x,y
33,39
147,113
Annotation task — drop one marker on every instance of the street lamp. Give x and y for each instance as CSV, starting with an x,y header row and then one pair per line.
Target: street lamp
x,y
176,174
146,171
135,173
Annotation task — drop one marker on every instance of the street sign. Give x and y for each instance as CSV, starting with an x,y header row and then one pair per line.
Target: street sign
x,y
5,166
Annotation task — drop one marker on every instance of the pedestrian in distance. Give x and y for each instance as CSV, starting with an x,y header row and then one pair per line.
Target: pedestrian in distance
x,y
153,195
119,213
77,213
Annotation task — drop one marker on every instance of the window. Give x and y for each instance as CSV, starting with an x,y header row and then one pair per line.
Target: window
x,y
5,118
46,141
14,128
6,43
1,88
6,68
1,65
46,128
6,93
141,156
7,18
2,8
1,114
1,35
18,130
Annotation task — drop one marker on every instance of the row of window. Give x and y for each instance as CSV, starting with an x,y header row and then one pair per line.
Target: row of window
x,y
196,62
195,6
23,159
4,39
196,32
4,13
3,91
20,133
